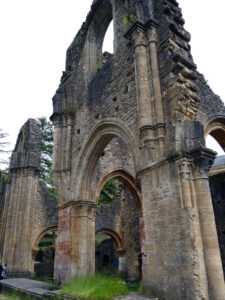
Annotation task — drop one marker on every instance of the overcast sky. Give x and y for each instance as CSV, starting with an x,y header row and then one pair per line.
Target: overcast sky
x,y
36,33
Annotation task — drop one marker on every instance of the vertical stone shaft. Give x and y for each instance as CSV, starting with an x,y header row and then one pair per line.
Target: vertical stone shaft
x,y
210,240
186,194
68,142
142,81
64,140
157,96
57,145
155,77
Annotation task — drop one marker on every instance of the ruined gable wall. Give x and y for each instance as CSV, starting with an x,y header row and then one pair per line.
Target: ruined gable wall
x,y
27,203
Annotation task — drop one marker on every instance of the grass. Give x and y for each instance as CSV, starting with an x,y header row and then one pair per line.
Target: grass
x,y
134,286
95,287
16,296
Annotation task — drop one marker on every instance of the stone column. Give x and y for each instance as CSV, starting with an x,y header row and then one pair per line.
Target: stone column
x,y
203,159
144,89
157,95
75,245
57,143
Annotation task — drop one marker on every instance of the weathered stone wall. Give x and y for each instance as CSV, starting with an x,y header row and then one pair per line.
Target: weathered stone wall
x,y
148,95
28,207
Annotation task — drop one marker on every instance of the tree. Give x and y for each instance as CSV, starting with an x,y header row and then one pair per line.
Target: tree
x,y
3,145
47,132
108,193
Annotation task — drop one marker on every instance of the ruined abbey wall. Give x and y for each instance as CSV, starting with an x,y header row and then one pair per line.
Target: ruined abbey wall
x,y
29,209
150,95
141,116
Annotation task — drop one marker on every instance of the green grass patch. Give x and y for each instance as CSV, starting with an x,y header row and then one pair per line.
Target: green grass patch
x,y
16,296
134,286
95,287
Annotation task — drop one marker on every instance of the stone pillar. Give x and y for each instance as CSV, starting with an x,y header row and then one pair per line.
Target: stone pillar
x,y
144,88
203,159
19,210
75,245
157,95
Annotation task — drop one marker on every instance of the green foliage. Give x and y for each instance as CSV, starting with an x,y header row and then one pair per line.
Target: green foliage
x,y
3,146
47,155
70,108
129,20
48,241
108,193
98,69
134,286
4,175
100,238
95,287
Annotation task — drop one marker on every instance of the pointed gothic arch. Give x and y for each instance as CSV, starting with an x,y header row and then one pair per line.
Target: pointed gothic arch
x,y
116,237
95,143
127,179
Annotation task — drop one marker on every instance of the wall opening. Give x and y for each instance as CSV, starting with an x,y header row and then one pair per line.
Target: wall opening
x,y
117,230
212,143
45,254
106,257
108,41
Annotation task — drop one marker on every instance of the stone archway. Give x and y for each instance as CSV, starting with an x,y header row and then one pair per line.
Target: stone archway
x,y
125,216
81,213
43,259
95,143
119,246
42,232
128,179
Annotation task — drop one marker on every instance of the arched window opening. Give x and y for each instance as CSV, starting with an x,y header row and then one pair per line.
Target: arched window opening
x,y
215,135
107,48
44,260
99,30
212,143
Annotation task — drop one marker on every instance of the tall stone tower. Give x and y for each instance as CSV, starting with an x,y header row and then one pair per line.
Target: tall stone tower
x,y
149,95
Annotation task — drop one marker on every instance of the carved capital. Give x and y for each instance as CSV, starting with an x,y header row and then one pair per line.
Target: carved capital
x,y
136,34
152,27
203,158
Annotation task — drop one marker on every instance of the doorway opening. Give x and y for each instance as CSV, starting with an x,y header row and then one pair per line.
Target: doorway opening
x,y
44,259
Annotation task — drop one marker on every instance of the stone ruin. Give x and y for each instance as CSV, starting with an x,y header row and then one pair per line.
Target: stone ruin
x,y
141,116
